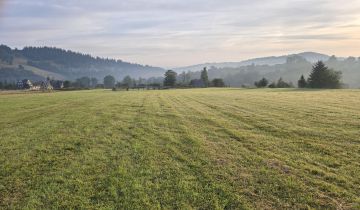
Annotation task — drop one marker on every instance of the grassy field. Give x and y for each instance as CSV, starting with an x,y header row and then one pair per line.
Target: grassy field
x,y
183,149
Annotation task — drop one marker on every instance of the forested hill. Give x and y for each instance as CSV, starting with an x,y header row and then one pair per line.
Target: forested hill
x,y
39,62
290,71
311,57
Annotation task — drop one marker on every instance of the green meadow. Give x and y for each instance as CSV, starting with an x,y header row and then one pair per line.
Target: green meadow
x,y
180,149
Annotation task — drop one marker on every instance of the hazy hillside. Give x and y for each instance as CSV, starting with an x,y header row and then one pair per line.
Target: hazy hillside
x,y
272,60
290,71
41,62
37,63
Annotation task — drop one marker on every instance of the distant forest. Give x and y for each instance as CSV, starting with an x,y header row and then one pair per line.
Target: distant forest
x,y
65,64
289,71
36,63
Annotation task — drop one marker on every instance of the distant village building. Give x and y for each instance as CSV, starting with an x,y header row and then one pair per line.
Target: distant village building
x,y
46,85
19,84
24,84
37,85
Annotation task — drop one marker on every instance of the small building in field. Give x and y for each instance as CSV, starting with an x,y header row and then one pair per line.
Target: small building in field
x,y
37,85
46,85
19,84
24,84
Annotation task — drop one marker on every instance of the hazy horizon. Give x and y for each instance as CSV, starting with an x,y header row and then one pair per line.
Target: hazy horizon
x,y
175,33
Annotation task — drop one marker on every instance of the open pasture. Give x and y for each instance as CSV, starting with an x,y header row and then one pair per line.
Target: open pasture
x,y
201,149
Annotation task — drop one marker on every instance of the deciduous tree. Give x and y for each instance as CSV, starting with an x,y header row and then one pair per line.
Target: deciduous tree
x,y
170,78
109,82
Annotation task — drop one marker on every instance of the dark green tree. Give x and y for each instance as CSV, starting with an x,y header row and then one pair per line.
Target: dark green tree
x,y
127,82
282,84
205,77
109,82
6,54
170,78
302,82
83,82
262,83
273,85
217,82
67,84
323,77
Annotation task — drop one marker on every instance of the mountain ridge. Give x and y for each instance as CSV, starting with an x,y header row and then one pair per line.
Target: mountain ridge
x,y
40,62
269,60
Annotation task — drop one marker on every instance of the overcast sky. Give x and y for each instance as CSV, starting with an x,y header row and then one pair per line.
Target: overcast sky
x,y
170,33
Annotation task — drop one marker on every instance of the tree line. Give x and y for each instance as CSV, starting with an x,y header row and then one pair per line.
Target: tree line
x,y
172,79
321,76
5,85
290,71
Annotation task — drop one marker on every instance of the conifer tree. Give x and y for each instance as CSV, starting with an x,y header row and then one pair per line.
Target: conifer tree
x,y
205,77
302,82
323,77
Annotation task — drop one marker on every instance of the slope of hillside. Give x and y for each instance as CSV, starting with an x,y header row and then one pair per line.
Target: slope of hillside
x,y
41,62
289,71
272,60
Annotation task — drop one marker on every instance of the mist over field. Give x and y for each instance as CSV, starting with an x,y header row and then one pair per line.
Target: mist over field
x,y
38,63
176,33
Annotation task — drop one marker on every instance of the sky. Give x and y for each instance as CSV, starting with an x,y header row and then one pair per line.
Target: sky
x,y
173,33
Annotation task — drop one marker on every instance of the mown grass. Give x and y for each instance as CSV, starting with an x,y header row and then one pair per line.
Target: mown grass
x,y
201,149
